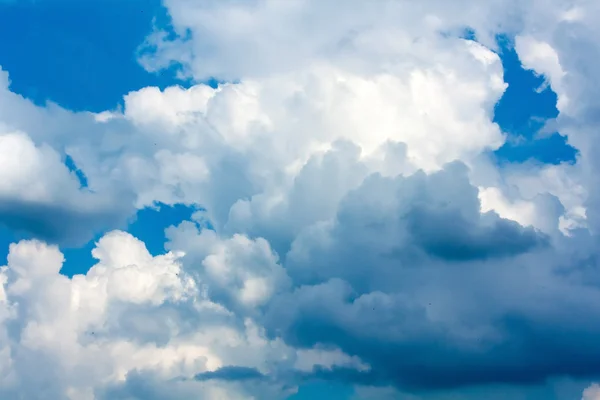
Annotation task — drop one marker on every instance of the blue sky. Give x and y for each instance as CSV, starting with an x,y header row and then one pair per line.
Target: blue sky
x,y
63,51
522,113
82,55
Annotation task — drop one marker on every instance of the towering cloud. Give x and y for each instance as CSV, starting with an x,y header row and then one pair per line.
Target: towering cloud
x,y
356,227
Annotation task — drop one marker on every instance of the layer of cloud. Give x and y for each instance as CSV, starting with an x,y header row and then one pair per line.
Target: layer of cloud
x,y
134,317
361,231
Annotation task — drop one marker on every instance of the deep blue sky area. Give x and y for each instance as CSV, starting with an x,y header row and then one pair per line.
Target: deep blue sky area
x,y
82,55
79,54
148,225
523,111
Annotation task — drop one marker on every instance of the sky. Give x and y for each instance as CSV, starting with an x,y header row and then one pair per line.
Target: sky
x,y
298,200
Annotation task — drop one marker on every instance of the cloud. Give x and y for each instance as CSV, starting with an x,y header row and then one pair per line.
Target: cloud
x,y
591,393
361,231
249,39
554,389
40,196
231,373
131,315
410,277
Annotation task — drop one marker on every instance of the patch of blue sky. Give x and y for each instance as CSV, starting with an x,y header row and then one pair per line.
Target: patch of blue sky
x,y
70,163
79,54
522,112
148,225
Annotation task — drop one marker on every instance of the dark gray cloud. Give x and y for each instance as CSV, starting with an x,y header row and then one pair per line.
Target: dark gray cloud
x,y
233,382
390,226
451,237
231,373
66,225
60,224
412,279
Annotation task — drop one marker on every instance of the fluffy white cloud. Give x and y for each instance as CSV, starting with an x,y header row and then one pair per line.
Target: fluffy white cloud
x,y
39,195
134,313
361,231
234,39
592,392
247,144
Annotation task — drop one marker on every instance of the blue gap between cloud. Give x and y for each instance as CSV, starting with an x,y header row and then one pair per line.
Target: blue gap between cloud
x,y
523,111
70,164
80,55
148,225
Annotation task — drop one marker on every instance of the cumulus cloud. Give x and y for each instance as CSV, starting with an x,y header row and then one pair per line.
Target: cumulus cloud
x,y
356,228
40,196
592,392
134,317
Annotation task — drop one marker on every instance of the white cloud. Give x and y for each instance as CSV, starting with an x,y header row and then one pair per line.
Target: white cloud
x,y
39,195
307,359
394,273
134,312
592,392
248,142
542,58
239,271
250,39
